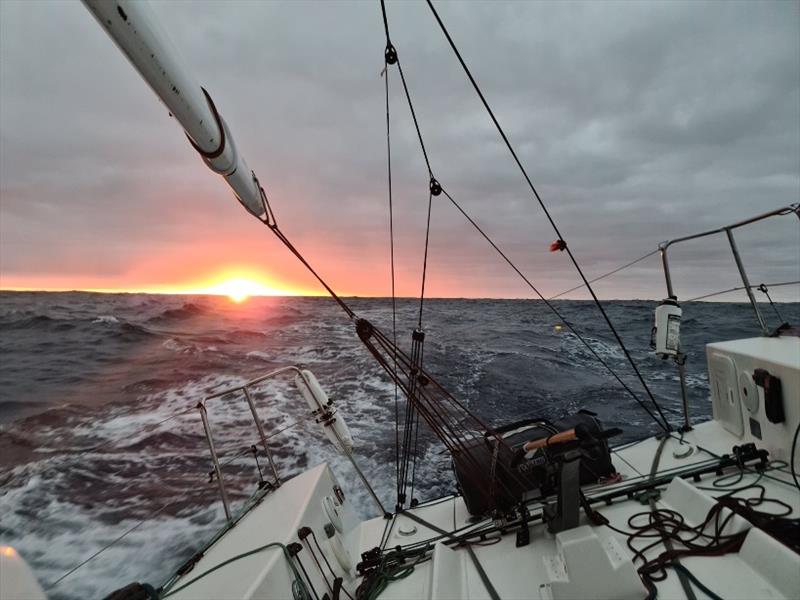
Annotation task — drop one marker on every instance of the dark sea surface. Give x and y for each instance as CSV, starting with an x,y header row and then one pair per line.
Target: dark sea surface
x,y
98,431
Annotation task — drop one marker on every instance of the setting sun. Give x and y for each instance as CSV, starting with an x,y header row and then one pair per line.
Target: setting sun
x,y
240,289
237,290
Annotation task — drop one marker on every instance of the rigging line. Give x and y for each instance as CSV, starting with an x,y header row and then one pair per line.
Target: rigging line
x,y
763,289
414,118
385,23
450,432
107,546
396,59
425,259
741,287
303,594
422,145
391,252
617,270
148,428
549,218
415,458
665,424
302,259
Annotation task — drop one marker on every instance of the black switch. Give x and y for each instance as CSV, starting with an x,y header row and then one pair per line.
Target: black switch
x,y
773,395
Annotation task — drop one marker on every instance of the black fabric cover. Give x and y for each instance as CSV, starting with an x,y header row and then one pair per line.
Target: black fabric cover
x,y
474,475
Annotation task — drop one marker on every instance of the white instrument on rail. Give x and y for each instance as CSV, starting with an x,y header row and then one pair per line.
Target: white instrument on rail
x,y
667,328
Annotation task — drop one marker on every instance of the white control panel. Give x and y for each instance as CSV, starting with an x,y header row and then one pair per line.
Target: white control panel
x,y
746,407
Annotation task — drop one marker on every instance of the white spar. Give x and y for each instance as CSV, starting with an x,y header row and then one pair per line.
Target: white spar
x,y
133,27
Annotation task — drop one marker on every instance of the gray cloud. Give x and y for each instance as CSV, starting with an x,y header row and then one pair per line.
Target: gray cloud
x,y
637,121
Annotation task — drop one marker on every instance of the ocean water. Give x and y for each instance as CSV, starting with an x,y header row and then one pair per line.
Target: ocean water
x,y
98,430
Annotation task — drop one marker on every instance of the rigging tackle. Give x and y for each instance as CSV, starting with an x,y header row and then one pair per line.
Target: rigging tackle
x,y
561,242
445,416
452,422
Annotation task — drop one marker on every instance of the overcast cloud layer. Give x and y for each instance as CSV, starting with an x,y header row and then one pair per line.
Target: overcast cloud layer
x,y
637,121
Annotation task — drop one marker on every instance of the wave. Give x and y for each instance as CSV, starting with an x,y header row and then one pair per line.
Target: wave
x,y
187,311
285,319
107,324
259,355
244,334
160,440
32,322
134,331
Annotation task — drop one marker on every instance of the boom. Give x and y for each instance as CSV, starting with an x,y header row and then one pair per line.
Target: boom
x,y
134,28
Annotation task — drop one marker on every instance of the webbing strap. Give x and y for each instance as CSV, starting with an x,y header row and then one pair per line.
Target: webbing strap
x,y
478,566
685,584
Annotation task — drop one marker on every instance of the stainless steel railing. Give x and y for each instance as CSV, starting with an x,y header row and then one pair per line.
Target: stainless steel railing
x,y
728,231
244,391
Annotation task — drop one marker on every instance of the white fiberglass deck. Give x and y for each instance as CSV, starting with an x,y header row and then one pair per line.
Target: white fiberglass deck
x,y
763,568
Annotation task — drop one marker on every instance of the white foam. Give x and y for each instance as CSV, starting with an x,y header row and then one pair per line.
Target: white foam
x,y
108,319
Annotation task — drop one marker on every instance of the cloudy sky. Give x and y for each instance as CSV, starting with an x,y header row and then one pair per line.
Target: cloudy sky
x,y
637,121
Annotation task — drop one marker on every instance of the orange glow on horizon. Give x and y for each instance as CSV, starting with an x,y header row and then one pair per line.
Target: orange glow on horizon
x,y
238,284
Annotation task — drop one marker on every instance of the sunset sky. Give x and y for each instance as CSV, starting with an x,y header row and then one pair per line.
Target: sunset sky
x,y
638,123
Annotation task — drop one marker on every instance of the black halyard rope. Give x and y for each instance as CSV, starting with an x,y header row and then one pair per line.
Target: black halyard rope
x,y
547,214
413,115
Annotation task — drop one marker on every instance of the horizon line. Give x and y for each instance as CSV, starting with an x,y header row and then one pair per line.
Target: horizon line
x,y
324,295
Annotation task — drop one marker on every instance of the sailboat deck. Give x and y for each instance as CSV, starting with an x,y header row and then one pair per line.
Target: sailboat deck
x,y
763,568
